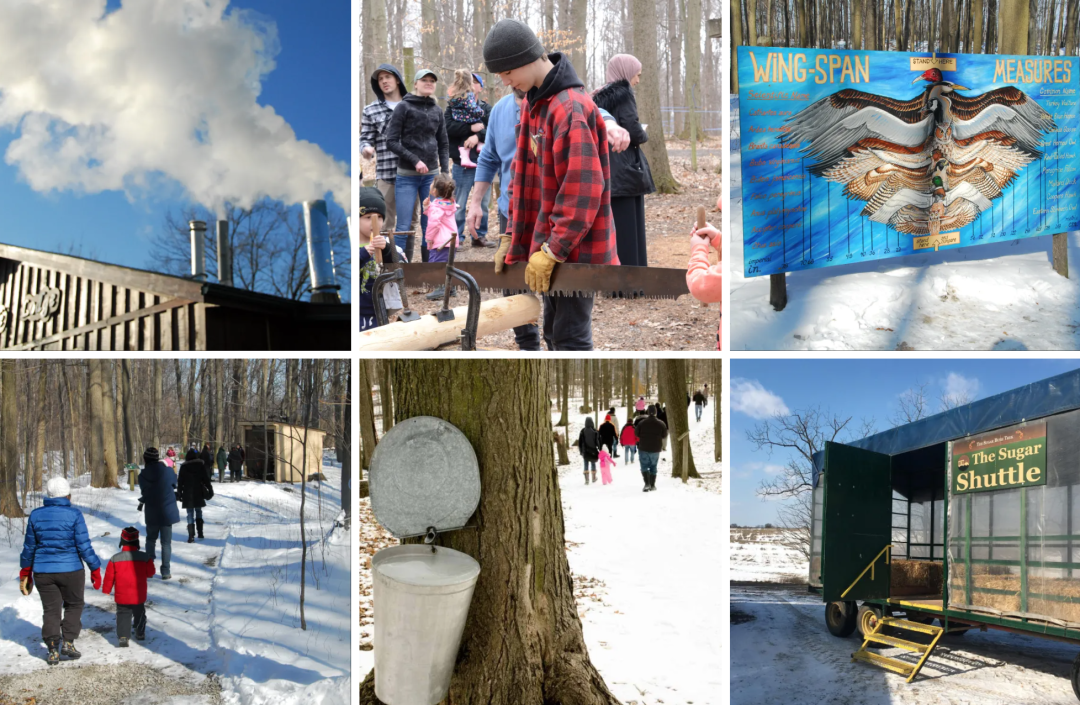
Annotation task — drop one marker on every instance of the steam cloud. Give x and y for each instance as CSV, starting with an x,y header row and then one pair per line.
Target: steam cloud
x,y
158,87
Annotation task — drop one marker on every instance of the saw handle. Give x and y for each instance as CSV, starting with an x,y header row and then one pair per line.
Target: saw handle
x,y
701,217
376,228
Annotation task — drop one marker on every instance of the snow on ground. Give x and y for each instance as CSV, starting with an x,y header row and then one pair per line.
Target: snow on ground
x,y
786,655
759,555
231,611
1002,296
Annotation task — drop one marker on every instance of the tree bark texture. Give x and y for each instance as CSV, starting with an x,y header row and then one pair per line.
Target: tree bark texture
x,y
9,432
672,374
648,95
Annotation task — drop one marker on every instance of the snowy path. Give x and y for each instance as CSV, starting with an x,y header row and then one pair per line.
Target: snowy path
x,y
786,655
647,576
231,610
1002,296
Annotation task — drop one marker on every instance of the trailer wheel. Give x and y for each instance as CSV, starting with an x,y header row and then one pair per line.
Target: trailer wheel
x,y
840,618
1074,676
868,619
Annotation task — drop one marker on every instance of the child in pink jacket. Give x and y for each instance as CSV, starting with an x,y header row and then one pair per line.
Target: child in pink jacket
x,y
441,226
705,280
606,463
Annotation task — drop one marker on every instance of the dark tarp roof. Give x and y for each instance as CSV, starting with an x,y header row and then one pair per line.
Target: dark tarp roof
x,y
1032,401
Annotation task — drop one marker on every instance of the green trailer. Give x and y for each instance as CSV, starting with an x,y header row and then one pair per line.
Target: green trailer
x,y
969,519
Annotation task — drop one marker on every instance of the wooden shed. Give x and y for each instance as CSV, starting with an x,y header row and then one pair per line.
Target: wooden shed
x,y
50,301
285,460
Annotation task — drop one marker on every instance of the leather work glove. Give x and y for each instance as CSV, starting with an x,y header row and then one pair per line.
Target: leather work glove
x,y
26,581
500,254
95,578
538,272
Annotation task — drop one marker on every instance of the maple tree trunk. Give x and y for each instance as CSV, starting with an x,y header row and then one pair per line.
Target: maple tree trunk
x,y
523,642
672,375
9,436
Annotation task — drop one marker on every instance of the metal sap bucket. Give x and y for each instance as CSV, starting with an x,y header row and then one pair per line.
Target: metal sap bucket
x,y
421,600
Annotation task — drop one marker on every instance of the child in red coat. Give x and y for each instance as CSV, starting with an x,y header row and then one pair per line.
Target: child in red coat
x,y
128,571
628,440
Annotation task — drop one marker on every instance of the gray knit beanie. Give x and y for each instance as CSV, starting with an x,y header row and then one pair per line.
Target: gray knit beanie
x,y
509,45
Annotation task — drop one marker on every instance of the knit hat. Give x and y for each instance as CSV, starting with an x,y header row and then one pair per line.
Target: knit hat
x,y
372,201
509,45
622,67
129,537
58,487
150,455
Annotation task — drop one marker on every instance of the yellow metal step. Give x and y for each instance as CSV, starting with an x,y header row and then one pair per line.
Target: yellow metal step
x,y
901,667
899,643
911,626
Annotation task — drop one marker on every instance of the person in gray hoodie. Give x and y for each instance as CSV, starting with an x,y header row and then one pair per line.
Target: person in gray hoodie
x,y
417,135
389,89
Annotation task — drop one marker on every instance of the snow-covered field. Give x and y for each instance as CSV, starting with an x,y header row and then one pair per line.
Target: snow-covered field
x,y
646,574
759,555
226,628
1003,296
786,655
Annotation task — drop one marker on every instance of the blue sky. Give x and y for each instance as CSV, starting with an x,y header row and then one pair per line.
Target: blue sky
x,y
862,389
309,88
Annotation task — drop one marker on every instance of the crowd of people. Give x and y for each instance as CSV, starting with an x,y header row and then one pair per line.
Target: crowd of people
x,y
571,171
57,545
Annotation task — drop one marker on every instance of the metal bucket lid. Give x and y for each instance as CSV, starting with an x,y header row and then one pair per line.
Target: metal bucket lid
x,y
423,474
419,566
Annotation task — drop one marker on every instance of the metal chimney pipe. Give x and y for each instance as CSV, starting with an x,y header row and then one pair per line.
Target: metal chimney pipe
x,y
324,286
224,254
198,250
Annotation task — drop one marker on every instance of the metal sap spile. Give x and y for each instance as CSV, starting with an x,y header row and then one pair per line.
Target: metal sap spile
x,y
424,473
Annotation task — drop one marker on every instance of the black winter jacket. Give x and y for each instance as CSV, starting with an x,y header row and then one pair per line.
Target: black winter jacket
x,y
417,133
608,433
193,485
458,132
630,173
589,441
650,433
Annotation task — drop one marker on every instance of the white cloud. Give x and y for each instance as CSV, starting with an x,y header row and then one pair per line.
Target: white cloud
x,y
959,387
155,93
752,399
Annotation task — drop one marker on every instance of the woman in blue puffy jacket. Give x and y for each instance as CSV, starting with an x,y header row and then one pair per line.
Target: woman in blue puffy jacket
x,y
56,546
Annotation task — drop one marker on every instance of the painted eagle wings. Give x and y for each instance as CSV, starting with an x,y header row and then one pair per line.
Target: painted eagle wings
x,y
935,161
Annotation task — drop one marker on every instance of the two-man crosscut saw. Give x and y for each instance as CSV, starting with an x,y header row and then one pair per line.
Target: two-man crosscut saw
x,y
566,279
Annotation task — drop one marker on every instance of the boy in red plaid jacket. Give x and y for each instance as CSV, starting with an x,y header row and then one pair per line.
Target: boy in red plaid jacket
x,y
560,197
128,571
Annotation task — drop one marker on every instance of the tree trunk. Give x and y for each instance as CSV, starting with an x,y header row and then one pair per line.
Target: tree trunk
x,y
693,67
648,95
672,374
560,445
586,387
751,23
429,41
108,424
264,389
368,439
1031,11
1015,21
155,403
9,432
856,24
736,41
345,439
306,376
219,403
386,395
675,66
65,400
97,437
523,642
129,436
40,464
580,27
1070,28
718,386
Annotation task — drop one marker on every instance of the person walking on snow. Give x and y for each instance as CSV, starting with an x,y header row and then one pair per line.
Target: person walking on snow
x,y
158,486
606,464
127,572
639,405
207,456
628,439
609,435
236,464
195,488
222,461
699,404
651,432
560,201
54,550
589,447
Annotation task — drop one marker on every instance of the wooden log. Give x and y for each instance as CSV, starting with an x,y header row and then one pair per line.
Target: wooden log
x,y
1060,250
427,333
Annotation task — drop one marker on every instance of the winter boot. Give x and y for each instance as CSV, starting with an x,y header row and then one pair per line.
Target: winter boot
x,y
586,477
54,652
191,533
652,481
594,477
199,527
466,160
645,475
140,631
123,643
68,649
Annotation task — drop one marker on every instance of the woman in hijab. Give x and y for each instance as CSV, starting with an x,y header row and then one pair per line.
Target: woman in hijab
x,y
631,178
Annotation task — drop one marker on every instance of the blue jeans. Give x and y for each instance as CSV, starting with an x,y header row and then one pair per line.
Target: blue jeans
x,y
407,190
649,461
463,182
588,463
152,533
194,513
697,411
631,453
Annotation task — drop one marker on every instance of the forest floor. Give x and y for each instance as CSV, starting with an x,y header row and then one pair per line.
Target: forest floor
x,y
225,629
619,324
646,570
782,652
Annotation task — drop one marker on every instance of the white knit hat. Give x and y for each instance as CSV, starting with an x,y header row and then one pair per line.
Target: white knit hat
x,y
58,487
